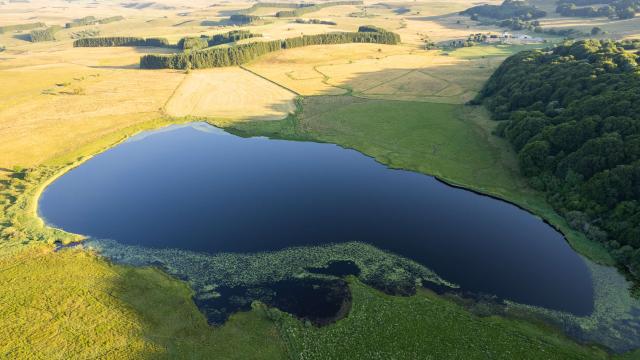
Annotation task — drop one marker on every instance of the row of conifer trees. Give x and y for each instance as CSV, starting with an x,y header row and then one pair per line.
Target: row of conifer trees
x,y
240,54
204,41
120,41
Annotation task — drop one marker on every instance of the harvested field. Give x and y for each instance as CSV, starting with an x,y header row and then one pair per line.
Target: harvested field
x,y
230,93
384,72
47,110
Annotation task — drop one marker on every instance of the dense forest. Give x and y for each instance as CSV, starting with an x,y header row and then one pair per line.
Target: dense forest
x,y
20,27
120,41
240,54
573,115
621,9
509,9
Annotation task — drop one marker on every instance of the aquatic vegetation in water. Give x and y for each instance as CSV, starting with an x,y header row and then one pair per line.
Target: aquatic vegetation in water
x,y
227,282
615,321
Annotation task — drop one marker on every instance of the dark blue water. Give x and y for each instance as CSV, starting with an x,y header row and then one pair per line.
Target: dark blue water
x,y
204,190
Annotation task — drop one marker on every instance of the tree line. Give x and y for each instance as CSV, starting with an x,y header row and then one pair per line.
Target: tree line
x,y
240,54
204,41
621,9
509,9
231,36
272,5
518,24
92,20
21,27
297,7
307,8
315,21
242,19
572,113
120,41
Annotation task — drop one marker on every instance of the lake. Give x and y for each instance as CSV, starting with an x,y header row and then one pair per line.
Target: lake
x,y
201,189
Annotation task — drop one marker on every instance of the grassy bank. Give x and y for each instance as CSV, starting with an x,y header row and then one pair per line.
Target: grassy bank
x,y
72,304
451,142
380,326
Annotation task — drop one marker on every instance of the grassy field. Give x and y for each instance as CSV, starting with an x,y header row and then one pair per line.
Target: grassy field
x,y
383,72
49,110
72,304
426,324
55,102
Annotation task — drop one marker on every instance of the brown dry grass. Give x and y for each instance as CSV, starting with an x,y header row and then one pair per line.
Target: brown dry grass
x,y
230,93
47,110
374,71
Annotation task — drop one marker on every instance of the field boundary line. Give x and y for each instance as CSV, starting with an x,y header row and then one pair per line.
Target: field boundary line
x,y
173,93
269,80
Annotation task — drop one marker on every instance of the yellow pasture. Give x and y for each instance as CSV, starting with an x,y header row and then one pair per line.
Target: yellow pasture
x,y
230,93
46,110
374,71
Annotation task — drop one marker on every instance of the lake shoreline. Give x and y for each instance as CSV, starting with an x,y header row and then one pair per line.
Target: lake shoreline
x,y
168,122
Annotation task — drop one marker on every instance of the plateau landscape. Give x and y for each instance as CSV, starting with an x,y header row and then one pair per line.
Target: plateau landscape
x,y
330,179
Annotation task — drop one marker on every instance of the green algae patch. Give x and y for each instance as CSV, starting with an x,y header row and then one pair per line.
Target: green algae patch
x,y
207,272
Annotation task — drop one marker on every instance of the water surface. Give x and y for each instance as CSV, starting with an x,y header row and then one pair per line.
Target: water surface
x,y
201,189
